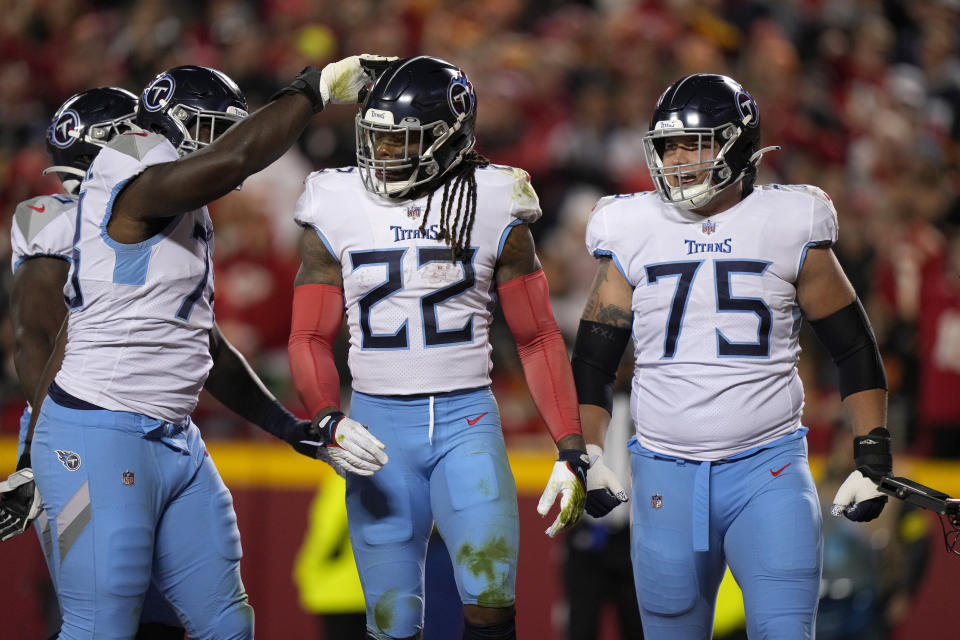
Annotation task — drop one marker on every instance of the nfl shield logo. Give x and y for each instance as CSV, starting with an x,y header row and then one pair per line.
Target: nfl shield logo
x,y
128,478
656,501
413,212
708,227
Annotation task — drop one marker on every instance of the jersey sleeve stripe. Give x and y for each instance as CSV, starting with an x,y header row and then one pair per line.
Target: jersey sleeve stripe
x,y
23,259
600,253
325,242
808,246
506,233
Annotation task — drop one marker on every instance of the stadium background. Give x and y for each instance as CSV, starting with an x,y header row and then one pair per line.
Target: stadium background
x,y
863,95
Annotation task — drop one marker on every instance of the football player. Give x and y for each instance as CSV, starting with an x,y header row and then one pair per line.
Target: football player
x,y
123,472
712,275
415,243
41,239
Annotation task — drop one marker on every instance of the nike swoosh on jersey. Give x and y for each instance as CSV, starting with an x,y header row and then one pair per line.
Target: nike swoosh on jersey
x,y
39,209
779,471
477,419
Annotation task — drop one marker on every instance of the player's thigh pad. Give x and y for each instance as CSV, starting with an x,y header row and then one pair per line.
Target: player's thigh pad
x,y
389,516
197,565
102,526
774,545
676,587
474,500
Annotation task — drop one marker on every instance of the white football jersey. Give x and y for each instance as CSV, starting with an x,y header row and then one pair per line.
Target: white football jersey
x,y
140,314
43,227
716,318
419,323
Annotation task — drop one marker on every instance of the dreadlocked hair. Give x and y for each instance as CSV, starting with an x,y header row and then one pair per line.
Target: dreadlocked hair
x,y
456,226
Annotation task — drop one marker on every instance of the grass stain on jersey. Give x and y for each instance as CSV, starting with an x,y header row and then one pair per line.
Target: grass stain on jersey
x,y
486,561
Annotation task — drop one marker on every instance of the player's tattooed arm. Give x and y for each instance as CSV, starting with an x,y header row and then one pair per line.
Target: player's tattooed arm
x,y
518,256
317,266
610,298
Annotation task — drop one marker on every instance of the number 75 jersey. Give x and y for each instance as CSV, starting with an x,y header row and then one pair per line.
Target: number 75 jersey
x,y
715,314
419,322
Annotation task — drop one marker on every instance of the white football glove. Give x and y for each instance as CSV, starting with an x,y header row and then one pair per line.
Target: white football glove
x,y
569,480
858,499
604,491
350,445
19,503
341,82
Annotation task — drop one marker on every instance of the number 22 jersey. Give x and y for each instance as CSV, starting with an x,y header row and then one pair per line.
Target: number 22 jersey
x,y
716,318
419,323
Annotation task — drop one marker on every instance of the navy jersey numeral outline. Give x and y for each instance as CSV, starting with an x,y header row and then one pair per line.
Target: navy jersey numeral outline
x,y
392,259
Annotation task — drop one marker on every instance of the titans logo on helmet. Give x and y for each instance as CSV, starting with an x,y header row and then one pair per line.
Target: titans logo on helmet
x,y
158,92
60,130
747,107
460,95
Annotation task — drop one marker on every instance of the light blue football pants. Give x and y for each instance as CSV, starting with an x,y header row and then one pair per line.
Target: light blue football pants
x,y
129,502
448,463
759,513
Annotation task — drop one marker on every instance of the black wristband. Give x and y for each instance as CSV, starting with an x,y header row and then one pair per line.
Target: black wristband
x,y
329,426
578,461
871,453
307,83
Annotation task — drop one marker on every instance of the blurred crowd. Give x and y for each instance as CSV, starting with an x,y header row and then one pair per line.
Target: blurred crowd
x,y
863,96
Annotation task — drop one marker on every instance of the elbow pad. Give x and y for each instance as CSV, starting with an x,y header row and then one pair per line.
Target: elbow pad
x,y
849,338
596,357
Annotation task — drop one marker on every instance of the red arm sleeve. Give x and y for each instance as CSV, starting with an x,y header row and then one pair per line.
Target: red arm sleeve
x,y
317,314
543,354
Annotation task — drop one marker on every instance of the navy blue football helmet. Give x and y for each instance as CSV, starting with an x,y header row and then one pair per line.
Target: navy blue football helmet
x,y
712,113
82,126
180,101
414,126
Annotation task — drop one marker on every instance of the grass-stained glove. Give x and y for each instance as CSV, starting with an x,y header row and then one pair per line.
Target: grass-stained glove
x,y
604,491
19,500
340,82
569,480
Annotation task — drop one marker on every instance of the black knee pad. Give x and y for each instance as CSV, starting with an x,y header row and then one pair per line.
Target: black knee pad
x,y
500,631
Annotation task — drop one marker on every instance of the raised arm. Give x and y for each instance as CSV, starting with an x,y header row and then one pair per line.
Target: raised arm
x,y
164,190
830,304
167,189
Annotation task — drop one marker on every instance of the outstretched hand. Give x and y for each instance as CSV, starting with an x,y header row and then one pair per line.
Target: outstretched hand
x,y
346,81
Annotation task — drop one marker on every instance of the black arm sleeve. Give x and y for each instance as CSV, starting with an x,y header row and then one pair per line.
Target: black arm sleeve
x,y
849,338
596,357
